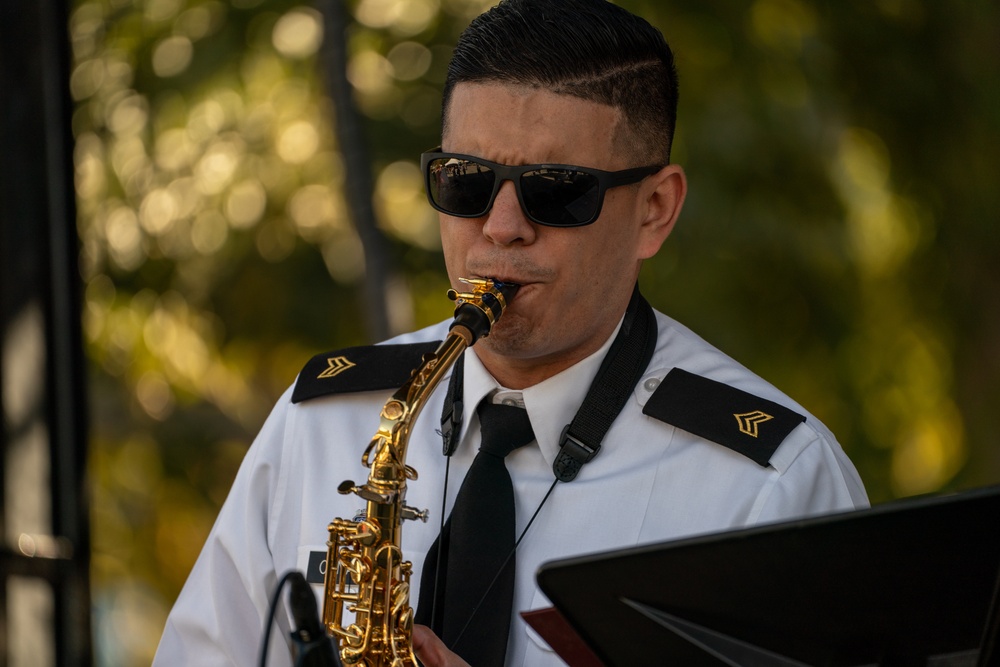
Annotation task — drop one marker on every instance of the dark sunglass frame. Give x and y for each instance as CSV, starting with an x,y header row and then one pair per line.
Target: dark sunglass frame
x,y
514,173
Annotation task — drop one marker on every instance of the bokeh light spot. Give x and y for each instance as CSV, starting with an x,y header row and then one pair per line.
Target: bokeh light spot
x,y
157,211
403,17
400,195
172,56
298,142
345,258
409,60
209,232
245,203
299,33
315,211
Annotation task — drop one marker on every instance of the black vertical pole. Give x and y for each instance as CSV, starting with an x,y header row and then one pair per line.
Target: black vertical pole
x,y
66,387
39,274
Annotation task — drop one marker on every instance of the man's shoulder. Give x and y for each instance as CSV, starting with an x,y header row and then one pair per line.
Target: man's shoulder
x,y
740,420
385,365
700,389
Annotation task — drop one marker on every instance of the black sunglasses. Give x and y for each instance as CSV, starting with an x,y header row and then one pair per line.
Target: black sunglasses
x,y
557,195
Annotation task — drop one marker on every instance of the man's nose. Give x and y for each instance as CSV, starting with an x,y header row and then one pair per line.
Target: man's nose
x,y
506,222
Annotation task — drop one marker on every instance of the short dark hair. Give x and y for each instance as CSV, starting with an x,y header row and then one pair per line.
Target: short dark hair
x,y
589,49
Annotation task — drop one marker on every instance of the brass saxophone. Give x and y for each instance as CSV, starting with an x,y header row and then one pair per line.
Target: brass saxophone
x,y
365,569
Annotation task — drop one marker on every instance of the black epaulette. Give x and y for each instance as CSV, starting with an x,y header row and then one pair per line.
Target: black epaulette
x,y
353,369
748,424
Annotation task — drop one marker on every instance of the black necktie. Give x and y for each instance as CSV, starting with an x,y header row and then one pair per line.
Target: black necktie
x,y
475,588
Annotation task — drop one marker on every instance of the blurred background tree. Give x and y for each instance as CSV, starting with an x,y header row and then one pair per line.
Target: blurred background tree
x,y
839,237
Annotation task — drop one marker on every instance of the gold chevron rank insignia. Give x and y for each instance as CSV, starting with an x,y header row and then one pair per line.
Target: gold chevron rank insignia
x,y
336,366
706,408
748,421
373,368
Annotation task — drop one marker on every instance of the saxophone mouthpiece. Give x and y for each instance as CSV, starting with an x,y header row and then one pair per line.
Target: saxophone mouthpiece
x,y
478,310
484,288
508,290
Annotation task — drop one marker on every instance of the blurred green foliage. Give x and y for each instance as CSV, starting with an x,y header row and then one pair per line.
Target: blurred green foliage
x,y
839,237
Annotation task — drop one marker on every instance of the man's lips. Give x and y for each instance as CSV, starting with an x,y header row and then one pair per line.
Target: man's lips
x,y
521,280
522,285
513,267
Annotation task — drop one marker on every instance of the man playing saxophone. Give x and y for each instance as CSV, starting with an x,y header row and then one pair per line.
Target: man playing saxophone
x,y
553,174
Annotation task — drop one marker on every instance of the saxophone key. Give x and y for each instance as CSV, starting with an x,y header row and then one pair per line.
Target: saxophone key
x,y
410,513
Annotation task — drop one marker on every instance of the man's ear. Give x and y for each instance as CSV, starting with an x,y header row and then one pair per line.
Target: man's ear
x,y
664,197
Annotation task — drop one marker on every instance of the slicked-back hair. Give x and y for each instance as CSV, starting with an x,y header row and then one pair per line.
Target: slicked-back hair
x,y
590,49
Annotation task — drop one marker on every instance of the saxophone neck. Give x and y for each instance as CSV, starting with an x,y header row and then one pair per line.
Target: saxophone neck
x,y
365,571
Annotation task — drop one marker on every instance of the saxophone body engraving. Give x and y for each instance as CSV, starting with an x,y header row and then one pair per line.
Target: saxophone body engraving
x,y
365,569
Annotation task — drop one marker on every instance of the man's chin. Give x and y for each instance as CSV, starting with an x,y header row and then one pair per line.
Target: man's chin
x,y
510,336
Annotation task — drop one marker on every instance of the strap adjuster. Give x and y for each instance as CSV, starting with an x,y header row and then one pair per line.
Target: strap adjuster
x,y
451,427
573,453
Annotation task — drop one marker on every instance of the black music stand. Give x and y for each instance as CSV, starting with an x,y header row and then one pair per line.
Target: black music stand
x,y
913,582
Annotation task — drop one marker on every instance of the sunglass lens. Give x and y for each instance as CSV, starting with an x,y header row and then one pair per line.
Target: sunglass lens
x,y
561,197
460,187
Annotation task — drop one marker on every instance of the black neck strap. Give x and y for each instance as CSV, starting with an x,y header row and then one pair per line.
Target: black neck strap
x,y
619,372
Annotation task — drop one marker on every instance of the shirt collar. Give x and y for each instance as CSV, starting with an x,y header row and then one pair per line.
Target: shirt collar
x,y
551,404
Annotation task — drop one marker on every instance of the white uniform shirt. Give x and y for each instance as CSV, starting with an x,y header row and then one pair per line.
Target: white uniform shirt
x,y
651,482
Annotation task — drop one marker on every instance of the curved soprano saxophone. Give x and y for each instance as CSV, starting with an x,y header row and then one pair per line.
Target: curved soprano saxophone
x,y
365,569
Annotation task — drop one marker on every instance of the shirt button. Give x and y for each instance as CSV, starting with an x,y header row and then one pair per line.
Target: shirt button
x,y
651,384
508,401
